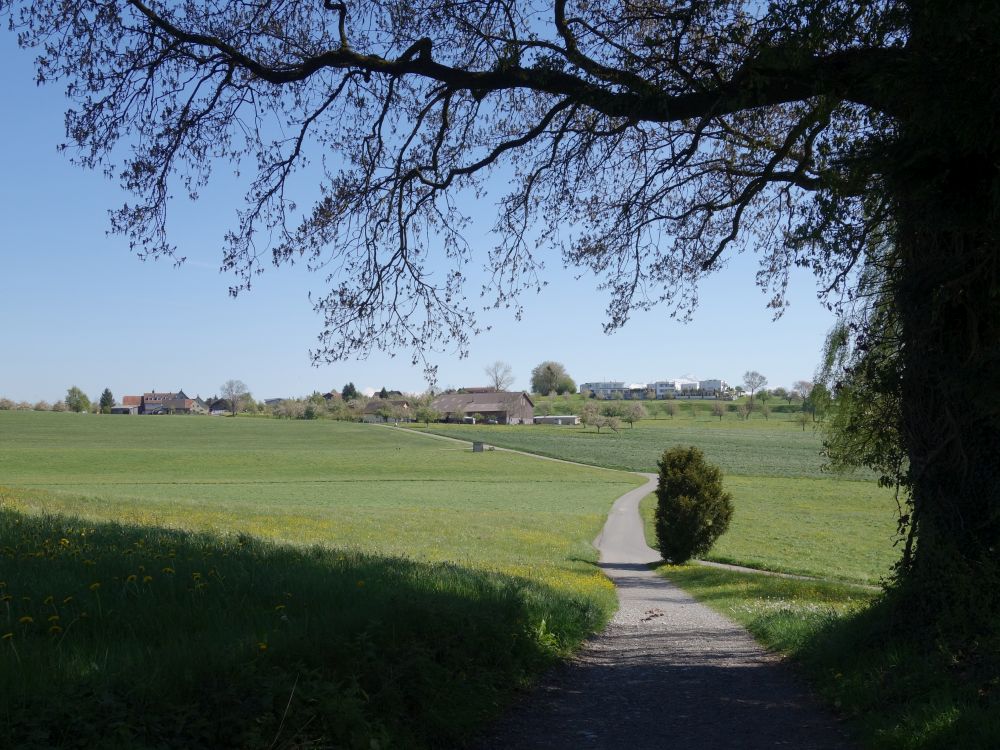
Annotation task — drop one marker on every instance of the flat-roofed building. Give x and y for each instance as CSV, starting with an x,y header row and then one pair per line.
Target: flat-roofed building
x,y
713,387
558,419
604,389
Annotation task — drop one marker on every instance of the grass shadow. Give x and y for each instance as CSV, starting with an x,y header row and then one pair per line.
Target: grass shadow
x,y
140,637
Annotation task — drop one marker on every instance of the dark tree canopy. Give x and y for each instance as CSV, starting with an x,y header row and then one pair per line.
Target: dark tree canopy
x,y
643,140
665,133
107,401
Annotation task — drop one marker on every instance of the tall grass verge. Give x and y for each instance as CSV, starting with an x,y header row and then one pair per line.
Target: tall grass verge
x,y
128,636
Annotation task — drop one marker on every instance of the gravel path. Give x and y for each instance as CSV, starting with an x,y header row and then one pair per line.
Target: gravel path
x,y
667,672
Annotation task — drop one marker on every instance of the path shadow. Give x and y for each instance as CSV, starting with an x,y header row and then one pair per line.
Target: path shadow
x,y
644,700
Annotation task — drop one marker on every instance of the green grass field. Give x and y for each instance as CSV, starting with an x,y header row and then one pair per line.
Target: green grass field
x,y
372,488
774,448
403,589
207,583
791,516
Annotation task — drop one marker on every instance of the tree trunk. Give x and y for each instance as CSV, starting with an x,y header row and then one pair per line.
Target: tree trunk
x,y
946,181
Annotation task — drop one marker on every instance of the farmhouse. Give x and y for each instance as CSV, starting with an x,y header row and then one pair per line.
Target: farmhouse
x,y
506,407
219,406
152,401
184,405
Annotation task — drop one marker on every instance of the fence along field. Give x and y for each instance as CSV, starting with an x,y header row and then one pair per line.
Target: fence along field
x,y
257,583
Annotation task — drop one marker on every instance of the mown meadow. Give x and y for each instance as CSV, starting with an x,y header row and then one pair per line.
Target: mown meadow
x,y
221,582
196,582
791,515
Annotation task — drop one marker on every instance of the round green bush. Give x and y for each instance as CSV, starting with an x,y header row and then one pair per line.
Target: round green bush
x,y
692,510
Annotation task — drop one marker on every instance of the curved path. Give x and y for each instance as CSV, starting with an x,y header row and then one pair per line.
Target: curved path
x,y
667,672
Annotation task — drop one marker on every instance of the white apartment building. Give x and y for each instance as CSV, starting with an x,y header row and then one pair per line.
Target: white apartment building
x,y
713,387
604,389
660,389
664,388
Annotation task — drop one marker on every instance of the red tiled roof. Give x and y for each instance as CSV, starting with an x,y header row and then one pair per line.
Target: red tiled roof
x,y
131,400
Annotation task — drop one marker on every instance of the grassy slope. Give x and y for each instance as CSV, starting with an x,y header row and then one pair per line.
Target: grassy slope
x,y
790,515
371,646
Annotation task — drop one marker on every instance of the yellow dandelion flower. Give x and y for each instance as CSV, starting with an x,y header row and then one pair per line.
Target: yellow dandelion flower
x,y
3,584
89,562
196,576
168,570
7,636
147,579
26,620
361,584
262,647
95,585
54,618
55,630
64,542
48,600
6,597
280,606
130,579
67,600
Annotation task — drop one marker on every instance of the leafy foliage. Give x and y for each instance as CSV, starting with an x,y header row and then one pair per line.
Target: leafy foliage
x,y
76,400
551,377
692,509
426,415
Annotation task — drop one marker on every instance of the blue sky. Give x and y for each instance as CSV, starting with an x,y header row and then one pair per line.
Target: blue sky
x,y
76,308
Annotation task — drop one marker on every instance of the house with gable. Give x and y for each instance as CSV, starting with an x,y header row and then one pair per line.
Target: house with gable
x,y
504,407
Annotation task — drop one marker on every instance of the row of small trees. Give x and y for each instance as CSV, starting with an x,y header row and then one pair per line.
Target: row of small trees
x,y
75,400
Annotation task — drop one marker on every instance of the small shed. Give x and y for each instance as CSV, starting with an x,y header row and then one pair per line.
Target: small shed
x,y
558,419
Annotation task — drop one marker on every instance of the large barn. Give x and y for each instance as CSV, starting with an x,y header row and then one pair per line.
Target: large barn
x,y
506,407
